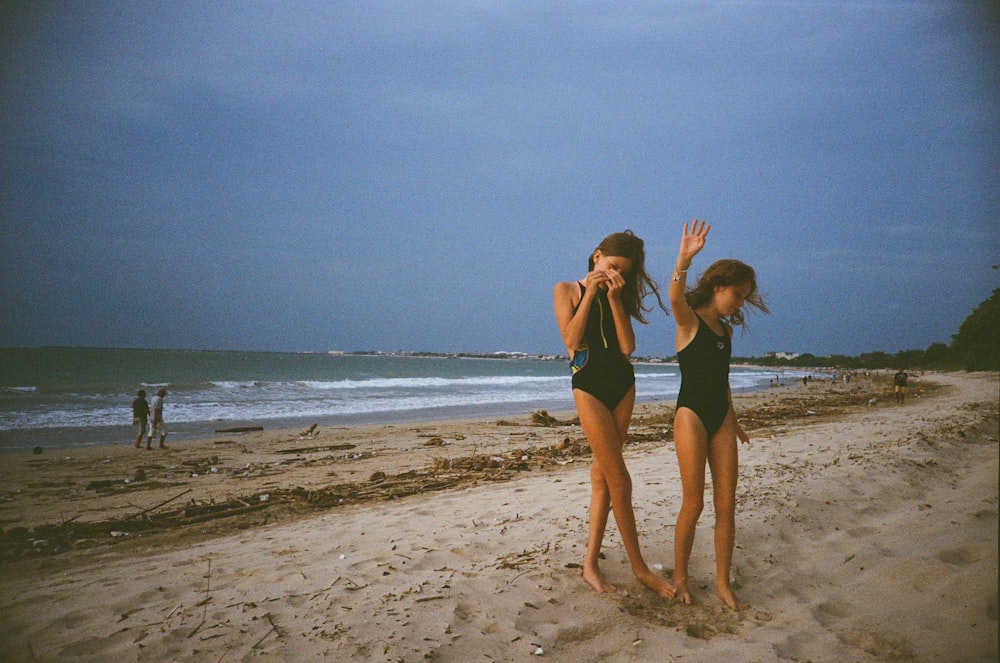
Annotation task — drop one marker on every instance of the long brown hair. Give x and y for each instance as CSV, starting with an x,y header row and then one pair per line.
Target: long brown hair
x,y
638,283
722,273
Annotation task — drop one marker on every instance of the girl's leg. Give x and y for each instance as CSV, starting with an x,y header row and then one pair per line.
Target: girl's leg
x,y
723,459
605,431
691,443
600,507
600,500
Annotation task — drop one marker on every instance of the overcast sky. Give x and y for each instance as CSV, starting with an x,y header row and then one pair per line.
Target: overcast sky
x,y
418,175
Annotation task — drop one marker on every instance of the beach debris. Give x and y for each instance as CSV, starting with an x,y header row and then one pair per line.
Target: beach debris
x,y
519,559
38,451
554,448
425,599
201,465
328,447
539,652
377,477
106,485
240,429
309,432
543,418
434,442
144,512
274,629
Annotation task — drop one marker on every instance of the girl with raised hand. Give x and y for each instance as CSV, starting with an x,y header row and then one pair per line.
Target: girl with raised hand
x,y
705,425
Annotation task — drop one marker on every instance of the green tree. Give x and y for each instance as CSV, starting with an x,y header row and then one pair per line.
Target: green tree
x,y
975,345
937,354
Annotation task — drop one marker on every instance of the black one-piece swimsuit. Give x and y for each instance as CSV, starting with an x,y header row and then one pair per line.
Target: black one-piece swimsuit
x,y
705,377
599,367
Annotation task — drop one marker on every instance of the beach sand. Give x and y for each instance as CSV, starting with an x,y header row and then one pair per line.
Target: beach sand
x,y
866,531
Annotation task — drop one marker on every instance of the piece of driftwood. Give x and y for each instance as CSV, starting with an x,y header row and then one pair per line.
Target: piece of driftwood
x,y
224,513
240,429
145,511
325,447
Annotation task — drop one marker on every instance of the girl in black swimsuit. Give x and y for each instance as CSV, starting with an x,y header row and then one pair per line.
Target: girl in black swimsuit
x,y
595,319
705,426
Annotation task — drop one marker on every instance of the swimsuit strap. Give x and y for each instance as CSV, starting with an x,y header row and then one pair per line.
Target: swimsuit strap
x,y
701,321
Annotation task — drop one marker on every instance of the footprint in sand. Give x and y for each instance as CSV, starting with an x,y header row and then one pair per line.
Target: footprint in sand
x,y
957,557
860,532
882,647
830,612
464,611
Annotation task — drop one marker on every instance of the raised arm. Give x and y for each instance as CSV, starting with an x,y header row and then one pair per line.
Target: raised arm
x,y
692,241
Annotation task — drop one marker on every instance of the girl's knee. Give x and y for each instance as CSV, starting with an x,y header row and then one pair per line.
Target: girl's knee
x,y
599,488
623,486
725,506
692,506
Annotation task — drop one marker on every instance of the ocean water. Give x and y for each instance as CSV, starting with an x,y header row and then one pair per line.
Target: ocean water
x,y
64,397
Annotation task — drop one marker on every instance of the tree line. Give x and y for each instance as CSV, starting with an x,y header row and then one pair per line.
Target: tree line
x,y
975,347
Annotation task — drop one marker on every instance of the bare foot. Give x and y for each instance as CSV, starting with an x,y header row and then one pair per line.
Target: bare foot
x,y
656,583
683,595
725,592
593,577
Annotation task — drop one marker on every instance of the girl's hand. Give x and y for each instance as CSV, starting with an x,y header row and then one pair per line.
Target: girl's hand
x,y
615,283
595,280
693,240
741,435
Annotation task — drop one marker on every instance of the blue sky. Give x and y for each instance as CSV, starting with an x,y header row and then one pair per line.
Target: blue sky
x,y
417,176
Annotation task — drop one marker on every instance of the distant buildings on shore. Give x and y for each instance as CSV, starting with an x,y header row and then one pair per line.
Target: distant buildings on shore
x,y
503,354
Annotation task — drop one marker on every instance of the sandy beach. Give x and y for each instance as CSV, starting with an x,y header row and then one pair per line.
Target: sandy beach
x,y
866,531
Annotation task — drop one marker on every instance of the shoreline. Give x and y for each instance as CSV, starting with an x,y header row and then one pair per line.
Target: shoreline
x,y
865,532
63,438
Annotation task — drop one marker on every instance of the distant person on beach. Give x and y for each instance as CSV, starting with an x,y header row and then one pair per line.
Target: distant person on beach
x,y
595,320
140,416
899,384
157,426
705,426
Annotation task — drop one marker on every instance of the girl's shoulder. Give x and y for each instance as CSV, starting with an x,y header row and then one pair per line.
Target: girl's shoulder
x,y
567,291
570,288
